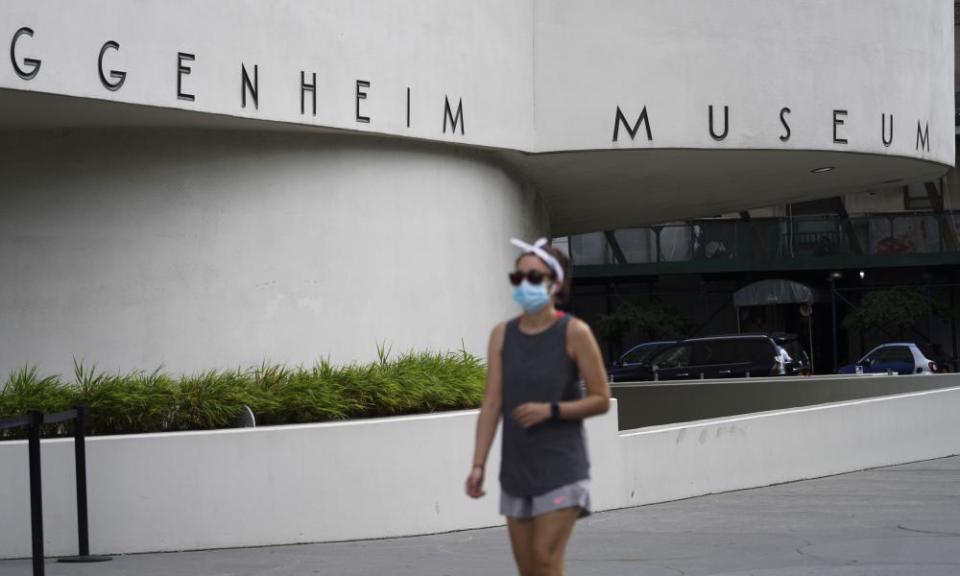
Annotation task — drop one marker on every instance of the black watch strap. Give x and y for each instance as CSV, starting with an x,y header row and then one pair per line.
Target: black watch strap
x,y
554,411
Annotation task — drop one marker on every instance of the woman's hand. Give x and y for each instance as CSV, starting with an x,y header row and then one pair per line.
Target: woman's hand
x,y
531,413
475,483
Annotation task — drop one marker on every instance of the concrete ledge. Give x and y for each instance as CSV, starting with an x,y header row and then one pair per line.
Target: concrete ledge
x,y
404,476
654,403
665,463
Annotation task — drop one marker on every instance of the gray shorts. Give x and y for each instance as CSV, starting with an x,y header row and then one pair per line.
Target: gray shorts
x,y
575,494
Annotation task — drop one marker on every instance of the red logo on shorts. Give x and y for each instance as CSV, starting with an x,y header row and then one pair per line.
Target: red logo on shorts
x,y
559,500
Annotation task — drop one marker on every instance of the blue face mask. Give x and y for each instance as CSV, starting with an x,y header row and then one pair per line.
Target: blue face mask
x,y
532,298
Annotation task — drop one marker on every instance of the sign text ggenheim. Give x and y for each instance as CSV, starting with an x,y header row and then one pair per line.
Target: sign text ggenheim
x,y
27,68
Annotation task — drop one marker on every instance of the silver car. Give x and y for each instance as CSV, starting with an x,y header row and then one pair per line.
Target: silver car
x,y
898,357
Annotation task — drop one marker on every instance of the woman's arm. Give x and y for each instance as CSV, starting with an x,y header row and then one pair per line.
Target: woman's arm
x,y
489,413
583,349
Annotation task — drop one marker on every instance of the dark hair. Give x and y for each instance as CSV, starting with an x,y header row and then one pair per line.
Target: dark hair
x,y
563,294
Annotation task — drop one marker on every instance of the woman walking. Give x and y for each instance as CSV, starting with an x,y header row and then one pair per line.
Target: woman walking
x,y
535,364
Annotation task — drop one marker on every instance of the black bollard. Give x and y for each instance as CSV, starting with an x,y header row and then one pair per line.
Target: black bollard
x,y
36,491
80,461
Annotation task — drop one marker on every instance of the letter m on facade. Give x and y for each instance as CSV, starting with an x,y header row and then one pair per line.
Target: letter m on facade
x,y
643,120
923,136
449,116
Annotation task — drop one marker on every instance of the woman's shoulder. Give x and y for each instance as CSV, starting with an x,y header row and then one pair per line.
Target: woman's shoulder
x,y
577,327
502,326
495,344
498,332
573,323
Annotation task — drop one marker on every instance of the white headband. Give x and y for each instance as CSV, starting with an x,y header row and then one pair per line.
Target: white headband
x,y
537,248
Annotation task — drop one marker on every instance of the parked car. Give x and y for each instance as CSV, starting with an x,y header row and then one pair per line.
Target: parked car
x,y
739,356
634,364
899,357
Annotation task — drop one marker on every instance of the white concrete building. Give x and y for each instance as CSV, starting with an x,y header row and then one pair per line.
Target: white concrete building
x,y
211,184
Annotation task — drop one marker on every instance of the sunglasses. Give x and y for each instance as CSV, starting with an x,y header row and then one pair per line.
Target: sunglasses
x,y
534,277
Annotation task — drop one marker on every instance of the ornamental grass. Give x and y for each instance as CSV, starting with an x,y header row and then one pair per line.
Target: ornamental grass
x,y
143,402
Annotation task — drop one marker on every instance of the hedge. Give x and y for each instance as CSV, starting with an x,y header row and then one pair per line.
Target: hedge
x,y
140,402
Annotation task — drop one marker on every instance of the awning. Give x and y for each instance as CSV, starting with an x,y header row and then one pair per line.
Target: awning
x,y
767,292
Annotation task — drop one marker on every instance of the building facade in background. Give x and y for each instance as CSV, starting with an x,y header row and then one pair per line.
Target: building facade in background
x,y
206,185
882,262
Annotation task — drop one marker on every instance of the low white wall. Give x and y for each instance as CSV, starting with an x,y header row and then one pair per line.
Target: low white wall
x,y
665,463
404,476
245,487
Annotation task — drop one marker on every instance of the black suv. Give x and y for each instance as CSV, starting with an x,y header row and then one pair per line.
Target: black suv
x,y
634,364
737,356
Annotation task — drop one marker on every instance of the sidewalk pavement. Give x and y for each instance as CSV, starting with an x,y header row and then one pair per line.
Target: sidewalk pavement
x,y
896,521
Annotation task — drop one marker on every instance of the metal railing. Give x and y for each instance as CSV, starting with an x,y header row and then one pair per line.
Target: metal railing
x,y
34,421
774,239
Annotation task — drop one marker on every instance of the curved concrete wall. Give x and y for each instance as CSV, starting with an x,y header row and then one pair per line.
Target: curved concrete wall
x,y
480,53
860,86
212,250
404,476
533,76
115,245
861,58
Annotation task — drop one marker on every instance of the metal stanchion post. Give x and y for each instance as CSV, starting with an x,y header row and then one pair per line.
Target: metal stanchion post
x,y
80,461
36,492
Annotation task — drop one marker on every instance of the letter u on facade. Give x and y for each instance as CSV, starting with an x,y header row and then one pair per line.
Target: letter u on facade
x,y
726,124
887,141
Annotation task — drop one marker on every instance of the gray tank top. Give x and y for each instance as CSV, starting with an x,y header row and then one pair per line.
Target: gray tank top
x,y
551,454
